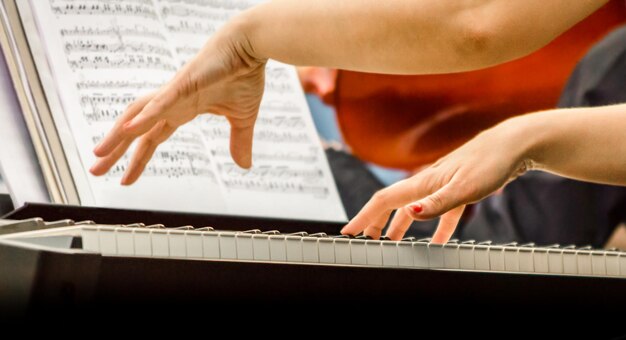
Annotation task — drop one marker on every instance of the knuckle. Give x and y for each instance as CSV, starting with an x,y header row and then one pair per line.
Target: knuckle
x,y
381,198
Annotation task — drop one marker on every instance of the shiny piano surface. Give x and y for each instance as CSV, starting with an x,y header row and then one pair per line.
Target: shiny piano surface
x,y
130,257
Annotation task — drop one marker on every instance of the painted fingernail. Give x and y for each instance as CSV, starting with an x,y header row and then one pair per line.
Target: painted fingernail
x,y
417,208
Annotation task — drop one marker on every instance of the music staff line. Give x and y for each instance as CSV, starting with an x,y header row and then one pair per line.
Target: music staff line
x,y
99,8
117,47
114,31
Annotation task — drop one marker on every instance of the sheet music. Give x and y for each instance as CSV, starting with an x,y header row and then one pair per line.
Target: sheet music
x,y
105,54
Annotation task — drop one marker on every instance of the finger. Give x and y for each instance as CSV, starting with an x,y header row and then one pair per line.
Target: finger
x,y
446,198
447,225
144,151
151,113
105,163
399,225
376,228
241,136
383,202
116,135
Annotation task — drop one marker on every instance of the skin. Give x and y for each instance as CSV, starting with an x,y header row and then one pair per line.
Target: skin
x,y
399,37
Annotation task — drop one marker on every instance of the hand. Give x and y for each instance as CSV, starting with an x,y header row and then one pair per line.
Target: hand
x,y
468,174
225,78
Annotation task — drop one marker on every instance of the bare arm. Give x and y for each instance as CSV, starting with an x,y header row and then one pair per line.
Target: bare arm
x,y
588,144
396,36
408,36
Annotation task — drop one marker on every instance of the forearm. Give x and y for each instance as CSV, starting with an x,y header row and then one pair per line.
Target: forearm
x,y
584,143
407,36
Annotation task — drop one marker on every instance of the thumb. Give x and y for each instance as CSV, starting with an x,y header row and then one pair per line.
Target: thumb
x,y
241,136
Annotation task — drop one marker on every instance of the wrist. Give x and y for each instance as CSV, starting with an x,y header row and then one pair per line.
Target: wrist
x,y
529,136
243,30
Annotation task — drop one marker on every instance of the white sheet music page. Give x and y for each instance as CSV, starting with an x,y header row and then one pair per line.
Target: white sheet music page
x,y
106,54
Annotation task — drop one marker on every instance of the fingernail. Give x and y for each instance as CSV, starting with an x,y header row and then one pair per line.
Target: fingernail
x,y
417,208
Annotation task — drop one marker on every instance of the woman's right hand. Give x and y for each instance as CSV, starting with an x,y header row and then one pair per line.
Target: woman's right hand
x,y
224,78
466,175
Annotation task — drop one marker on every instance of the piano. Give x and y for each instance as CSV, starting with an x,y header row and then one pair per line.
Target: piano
x,y
78,256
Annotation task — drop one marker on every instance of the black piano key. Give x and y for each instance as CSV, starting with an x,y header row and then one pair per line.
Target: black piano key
x,y
318,235
155,226
271,232
408,239
485,243
206,229
343,236
299,233
385,238
185,227
252,231
425,239
135,225
364,237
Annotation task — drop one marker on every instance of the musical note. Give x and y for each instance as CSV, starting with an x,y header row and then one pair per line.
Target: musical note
x,y
112,30
276,187
121,62
90,84
118,47
141,8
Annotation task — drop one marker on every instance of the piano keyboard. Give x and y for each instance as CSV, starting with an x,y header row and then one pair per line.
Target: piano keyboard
x,y
187,242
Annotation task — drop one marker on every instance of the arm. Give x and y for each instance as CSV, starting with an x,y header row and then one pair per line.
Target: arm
x,y
408,37
402,36
586,144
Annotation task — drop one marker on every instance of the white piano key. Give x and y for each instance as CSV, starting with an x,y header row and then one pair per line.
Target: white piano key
x,y
374,253
142,242
342,251
570,263
326,250
358,253
496,258
612,263
107,240
525,258
466,256
177,243
598,263
435,255
310,251
481,256
261,247
511,260
124,239
91,241
555,260
540,260
245,250
451,258
584,262
622,264
228,245
294,248
278,249
193,244
390,253
420,254
405,254
210,245
160,243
